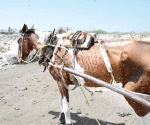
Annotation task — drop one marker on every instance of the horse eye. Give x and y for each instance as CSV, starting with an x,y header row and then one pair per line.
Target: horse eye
x,y
19,40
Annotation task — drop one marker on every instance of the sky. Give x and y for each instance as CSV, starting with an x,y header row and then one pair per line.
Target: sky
x,y
109,15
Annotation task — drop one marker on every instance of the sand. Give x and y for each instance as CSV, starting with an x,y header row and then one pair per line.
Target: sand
x,y
29,96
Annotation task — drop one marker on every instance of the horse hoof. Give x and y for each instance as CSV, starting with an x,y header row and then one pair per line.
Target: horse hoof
x,y
62,118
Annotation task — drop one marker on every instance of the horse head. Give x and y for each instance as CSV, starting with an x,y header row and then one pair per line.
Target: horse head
x,y
46,52
27,42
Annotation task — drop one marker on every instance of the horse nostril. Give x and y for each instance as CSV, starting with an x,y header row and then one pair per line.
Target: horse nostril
x,y
41,59
19,61
40,62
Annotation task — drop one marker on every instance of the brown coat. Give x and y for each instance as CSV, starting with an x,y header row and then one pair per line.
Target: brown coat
x,y
130,66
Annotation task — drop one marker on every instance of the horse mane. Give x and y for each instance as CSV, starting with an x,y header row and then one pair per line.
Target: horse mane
x,y
30,31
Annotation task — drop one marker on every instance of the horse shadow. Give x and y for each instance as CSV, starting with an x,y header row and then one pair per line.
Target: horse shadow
x,y
83,120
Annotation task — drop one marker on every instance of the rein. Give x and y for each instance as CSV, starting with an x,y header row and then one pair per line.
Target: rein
x,y
33,58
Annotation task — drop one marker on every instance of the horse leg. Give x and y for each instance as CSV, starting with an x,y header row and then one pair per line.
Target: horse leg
x,y
61,115
65,111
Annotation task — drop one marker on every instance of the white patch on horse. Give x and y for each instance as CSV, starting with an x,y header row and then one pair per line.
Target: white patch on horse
x,y
60,42
54,52
81,70
61,105
63,40
87,40
70,51
66,110
43,36
64,35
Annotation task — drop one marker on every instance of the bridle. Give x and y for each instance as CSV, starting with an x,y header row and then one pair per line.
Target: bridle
x,y
20,58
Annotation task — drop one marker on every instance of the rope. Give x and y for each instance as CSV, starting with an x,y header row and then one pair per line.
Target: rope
x,y
113,81
88,104
86,99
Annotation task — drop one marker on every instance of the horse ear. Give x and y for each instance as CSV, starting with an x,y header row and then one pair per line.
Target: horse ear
x,y
53,31
32,26
19,40
24,28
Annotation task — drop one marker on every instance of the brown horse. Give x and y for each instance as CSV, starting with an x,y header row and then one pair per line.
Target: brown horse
x,y
130,66
30,40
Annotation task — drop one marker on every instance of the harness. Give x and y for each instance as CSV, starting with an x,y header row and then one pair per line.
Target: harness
x,y
75,42
106,60
52,62
85,43
74,39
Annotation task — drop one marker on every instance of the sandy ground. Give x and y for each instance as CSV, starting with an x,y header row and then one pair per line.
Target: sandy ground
x,y
30,97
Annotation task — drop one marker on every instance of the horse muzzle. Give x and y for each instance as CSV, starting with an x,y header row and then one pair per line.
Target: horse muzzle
x,y
19,59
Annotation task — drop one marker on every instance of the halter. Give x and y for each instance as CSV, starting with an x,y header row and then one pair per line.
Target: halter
x,y
33,58
75,38
20,53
